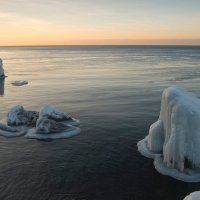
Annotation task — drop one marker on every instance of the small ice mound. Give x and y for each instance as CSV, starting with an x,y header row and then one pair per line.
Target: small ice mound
x,y
173,141
50,129
193,196
19,83
17,115
2,74
51,113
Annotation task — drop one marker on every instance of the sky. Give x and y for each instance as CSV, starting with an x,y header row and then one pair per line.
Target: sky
x,y
74,22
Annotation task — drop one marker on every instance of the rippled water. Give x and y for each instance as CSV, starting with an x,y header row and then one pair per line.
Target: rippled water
x,y
115,91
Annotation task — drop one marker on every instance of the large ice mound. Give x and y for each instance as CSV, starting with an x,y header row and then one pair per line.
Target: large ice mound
x,y
174,140
193,196
48,123
2,75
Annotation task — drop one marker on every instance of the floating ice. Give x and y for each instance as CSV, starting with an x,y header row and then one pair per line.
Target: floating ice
x,y
19,83
46,124
193,196
2,75
173,141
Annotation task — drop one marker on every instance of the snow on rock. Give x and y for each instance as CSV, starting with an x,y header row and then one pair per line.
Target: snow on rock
x,y
173,141
19,83
2,75
193,196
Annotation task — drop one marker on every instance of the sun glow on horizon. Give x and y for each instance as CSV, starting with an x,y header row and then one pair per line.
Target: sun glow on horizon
x,y
62,22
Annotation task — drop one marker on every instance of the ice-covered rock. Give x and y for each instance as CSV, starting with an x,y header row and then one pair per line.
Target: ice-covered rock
x,y
174,140
50,129
19,83
51,113
46,124
2,75
17,115
193,196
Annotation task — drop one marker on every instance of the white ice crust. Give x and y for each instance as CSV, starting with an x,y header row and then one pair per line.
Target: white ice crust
x,y
49,123
19,82
69,132
2,75
174,140
193,196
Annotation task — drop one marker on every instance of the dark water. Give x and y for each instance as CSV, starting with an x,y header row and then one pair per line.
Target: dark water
x,y
115,91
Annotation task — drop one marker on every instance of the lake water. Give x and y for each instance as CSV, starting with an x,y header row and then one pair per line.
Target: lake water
x,y
115,92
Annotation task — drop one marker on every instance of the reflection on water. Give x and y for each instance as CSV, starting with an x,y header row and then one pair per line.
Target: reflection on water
x,y
2,87
115,91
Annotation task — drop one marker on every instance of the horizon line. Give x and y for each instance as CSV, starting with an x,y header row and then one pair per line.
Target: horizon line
x,y
31,45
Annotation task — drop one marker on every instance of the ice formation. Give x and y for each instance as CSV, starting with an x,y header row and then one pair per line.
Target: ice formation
x,y
174,140
50,129
193,196
19,83
19,116
9,131
2,75
46,124
51,113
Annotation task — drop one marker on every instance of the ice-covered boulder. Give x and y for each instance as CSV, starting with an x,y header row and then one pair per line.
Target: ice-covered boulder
x,y
2,75
193,196
51,113
45,125
17,115
50,129
174,140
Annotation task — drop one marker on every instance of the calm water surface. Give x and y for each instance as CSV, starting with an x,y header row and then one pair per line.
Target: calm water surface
x,y
115,91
